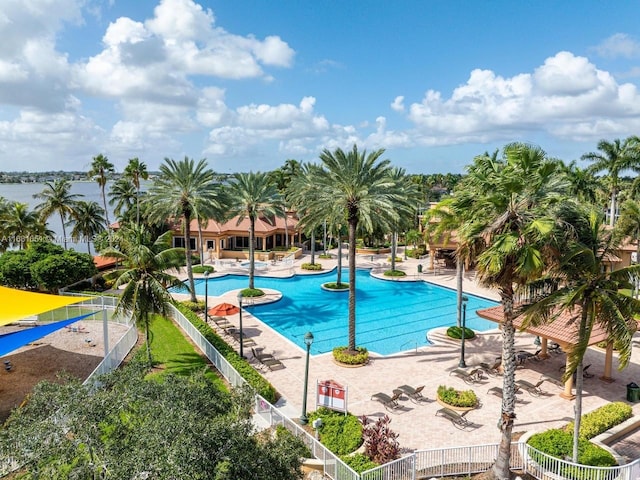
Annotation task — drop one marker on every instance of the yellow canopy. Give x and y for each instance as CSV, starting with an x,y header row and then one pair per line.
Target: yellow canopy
x,y
18,304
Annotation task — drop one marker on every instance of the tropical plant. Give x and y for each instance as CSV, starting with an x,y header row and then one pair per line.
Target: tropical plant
x,y
253,195
380,442
360,187
87,220
101,169
57,198
628,226
122,194
590,293
183,189
508,202
143,273
615,157
411,197
136,171
20,226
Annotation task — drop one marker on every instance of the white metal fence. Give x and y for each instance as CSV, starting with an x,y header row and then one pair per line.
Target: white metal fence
x,y
117,354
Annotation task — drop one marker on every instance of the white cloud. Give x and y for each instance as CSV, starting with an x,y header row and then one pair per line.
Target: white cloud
x,y
618,45
567,91
398,104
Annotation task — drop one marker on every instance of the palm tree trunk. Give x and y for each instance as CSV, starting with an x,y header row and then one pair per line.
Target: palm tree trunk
x,y
138,203
104,204
394,247
252,229
459,278
64,231
187,241
501,468
353,223
313,247
612,217
200,249
89,246
577,407
339,279
148,341
286,228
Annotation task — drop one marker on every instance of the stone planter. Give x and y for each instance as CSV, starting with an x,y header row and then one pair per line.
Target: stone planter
x,y
457,409
346,289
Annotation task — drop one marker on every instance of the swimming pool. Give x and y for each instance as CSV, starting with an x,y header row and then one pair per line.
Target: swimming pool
x,y
391,317
255,264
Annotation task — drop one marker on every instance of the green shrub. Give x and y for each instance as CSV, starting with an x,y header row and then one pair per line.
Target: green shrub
x,y
602,419
325,256
194,306
203,268
359,462
457,398
456,332
252,292
285,436
340,433
394,273
398,259
242,366
311,266
336,286
559,443
342,355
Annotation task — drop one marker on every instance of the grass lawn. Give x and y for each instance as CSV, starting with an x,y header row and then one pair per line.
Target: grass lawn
x,y
173,352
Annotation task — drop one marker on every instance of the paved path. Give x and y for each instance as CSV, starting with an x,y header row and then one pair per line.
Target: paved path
x,y
417,424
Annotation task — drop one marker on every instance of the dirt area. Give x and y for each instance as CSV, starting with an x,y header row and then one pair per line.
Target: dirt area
x,y
77,350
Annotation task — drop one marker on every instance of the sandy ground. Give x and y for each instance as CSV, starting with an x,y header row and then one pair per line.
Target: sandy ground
x,y
77,350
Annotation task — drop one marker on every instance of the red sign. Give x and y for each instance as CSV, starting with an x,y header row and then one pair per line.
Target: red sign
x,y
332,395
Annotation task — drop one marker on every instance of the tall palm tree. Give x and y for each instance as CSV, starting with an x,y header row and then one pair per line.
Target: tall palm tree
x,y
101,169
144,261
507,201
57,198
628,226
412,196
591,294
88,221
21,225
123,195
182,189
136,171
253,195
615,157
361,186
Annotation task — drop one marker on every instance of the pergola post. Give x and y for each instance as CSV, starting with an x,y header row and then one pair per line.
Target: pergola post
x,y
568,385
544,353
608,361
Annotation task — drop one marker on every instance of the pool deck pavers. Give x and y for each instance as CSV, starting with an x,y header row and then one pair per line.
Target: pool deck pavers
x,y
430,365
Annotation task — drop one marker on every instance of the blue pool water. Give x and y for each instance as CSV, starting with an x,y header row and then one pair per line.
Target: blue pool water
x,y
390,316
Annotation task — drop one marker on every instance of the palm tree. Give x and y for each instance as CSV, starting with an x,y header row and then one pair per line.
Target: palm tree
x,y
412,196
591,294
181,190
628,226
88,221
615,157
57,198
506,202
253,195
361,186
101,168
136,171
145,262
21,225
123,195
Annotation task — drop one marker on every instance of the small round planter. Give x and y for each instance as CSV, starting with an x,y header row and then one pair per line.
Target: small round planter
x,y
348,365
457,409
344,289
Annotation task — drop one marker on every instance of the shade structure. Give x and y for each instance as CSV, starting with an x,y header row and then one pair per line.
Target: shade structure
x,y
19,304
14,340
223,309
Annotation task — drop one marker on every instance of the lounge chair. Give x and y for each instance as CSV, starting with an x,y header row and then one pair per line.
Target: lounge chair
x,y
221,322
497,391
458,419
534,390
523,356
470,378
585,373
414,394
389,402
246,341
492,370
554,348
267,360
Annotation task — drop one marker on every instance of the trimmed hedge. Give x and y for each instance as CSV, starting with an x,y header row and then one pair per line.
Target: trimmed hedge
x,y
559,444
202,269
394,273
311,266
253,378
602,419
361,358
340,433
456,332
359,462
457,398
252,292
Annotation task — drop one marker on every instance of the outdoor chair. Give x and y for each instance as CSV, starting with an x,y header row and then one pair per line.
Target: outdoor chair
x,y
458,419
389,402
492,370
554,348
534,390
548,378
470,378
8,365
246,341
221,322
497,391
523,356
585,372
414,394
267,360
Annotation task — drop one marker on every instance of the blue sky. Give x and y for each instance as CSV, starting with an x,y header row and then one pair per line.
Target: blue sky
x,y
248,84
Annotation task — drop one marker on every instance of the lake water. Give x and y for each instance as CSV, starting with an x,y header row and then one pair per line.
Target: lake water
x,y
23,192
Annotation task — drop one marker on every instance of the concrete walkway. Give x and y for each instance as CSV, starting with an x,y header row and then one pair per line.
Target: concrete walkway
x,y
417,423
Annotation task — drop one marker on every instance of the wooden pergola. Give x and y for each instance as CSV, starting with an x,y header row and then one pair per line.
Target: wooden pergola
x,y
564,331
